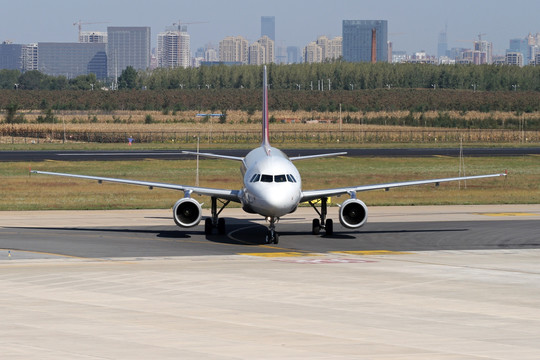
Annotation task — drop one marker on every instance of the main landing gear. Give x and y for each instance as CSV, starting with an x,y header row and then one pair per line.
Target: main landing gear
x,y
215,222
272,237
323,223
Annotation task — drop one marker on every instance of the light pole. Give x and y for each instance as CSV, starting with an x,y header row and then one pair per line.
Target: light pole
x,y
197,175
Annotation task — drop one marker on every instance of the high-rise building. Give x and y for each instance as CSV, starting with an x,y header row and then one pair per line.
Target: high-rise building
x,y
257,54
11,56
334,49
234,49
268,27
357,40
312,53
30,57
128,46
520,46
329,49
514,58
269,48
174,48
92,37
533,39
261,51
292,54
483,52
323,43
72,59
210,54
442,44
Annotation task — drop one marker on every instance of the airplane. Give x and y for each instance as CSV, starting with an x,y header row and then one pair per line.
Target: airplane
x,y
272,187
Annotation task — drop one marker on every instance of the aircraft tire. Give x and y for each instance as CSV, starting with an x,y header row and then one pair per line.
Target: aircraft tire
x,y
221,226
329,227
316,228
208,226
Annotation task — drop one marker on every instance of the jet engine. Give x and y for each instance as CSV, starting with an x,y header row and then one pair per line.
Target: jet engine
x,y
353,213
187,212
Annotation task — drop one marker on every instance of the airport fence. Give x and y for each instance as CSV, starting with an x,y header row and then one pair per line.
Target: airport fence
x,y
276,137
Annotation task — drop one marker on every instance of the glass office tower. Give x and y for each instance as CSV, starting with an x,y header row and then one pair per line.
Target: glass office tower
x,y
357,40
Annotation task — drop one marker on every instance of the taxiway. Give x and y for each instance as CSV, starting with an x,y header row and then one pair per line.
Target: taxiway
x,y
458,282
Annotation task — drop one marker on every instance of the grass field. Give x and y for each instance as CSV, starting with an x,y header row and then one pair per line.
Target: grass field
x,y
97,129
23,192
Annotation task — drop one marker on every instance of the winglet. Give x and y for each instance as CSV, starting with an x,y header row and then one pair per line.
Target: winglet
x,y
266,136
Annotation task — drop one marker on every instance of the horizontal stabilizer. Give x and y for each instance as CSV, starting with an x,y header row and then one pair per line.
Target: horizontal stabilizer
x,y
216,156
294,158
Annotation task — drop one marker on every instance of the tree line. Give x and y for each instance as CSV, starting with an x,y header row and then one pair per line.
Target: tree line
x,y
415,100
336,75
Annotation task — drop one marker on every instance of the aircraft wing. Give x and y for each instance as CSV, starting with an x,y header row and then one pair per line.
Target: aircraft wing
x,y
232,195
217,156
317,194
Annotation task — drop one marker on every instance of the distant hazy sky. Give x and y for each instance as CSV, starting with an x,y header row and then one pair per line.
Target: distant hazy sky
x,y
413,25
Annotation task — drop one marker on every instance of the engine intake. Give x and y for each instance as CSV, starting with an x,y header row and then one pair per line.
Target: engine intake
x,y
187,212
353,213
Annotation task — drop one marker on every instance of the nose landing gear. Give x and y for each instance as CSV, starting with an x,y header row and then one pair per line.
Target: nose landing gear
x,y
272,237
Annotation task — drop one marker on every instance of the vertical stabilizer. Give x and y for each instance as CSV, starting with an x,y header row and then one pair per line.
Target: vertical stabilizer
x,y
265,134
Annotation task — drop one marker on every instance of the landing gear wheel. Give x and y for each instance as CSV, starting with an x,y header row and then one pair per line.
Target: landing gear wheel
x,y
316,229
208,226
272,237
221,226
329,227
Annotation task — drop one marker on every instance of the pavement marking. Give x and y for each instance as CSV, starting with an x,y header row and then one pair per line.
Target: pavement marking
x,y
280,254
325,261
371,252
508,214
13,252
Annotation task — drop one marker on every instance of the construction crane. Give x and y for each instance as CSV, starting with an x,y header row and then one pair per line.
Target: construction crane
x,y
80,23
180,23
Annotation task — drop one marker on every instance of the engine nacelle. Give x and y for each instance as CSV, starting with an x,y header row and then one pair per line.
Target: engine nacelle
x,y
353,213
187,212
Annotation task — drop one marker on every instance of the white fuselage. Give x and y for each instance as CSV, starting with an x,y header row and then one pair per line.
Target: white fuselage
x,y
272,184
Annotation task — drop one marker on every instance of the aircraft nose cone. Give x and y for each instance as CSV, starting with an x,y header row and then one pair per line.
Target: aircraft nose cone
x,y
280,203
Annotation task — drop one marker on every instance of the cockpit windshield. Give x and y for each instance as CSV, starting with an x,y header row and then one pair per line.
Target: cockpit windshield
x,y
280,178
267,178
273,178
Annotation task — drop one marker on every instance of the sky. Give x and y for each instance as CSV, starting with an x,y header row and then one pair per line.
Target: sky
x,y
413,25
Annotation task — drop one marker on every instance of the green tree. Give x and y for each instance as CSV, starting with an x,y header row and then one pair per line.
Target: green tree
x,y
128,78
31,80
11,111
8,78
48,118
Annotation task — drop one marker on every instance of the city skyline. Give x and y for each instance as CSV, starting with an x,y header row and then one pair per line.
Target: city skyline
x,y
411,26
